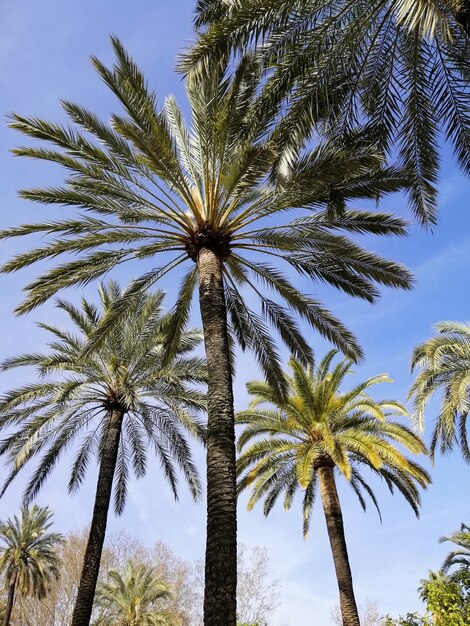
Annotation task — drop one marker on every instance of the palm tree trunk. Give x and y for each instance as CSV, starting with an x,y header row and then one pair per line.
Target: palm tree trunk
x,y
221,543
335,527
10,601
91,562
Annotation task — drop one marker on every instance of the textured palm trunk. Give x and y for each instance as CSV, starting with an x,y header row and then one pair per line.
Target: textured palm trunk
x,y
10,601
221,543
335,527
91,563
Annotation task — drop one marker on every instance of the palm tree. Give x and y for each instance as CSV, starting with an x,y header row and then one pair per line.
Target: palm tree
x,y
119,397
460,556
317,431
150,187
131,599
444,363
28,555
403,64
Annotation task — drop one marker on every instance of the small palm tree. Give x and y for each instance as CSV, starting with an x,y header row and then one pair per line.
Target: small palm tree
x,y
319,430
119,397
460,556
444,364
28,555
403,64
132,598
202,199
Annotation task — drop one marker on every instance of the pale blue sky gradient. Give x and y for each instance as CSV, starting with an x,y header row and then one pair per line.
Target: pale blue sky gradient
x,y
44,56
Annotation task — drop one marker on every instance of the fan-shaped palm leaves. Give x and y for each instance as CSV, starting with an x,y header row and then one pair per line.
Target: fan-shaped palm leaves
x,y
444,364
404,64
131,599
119,397
28,554
461,555
300,442
151,188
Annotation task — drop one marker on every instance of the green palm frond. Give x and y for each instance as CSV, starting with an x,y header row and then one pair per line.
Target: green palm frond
x,y
400,64
79,378
133,598
28,551
284,442
443,364
148,186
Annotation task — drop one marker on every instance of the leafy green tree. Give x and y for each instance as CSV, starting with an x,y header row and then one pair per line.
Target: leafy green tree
x,y
317,431
28,555
118,396
460,556
402,64
410,619
150,188
444,366
444,600
131,598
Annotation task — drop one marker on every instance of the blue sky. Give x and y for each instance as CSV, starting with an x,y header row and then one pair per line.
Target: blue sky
x,y
44,56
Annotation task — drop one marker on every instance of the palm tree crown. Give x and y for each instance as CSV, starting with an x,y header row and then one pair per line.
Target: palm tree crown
x,y
444,364
155,187
404,64
320,425
79,386
28,554
131,598
461,555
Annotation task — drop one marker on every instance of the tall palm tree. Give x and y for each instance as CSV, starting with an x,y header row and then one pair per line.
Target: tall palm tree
x,y
404,64
150,188
119,397
28,554
131,599
319,431
460,556
444,367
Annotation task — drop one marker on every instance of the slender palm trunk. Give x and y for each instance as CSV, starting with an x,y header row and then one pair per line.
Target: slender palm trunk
x,y
10,601
91,563
221,543
334,524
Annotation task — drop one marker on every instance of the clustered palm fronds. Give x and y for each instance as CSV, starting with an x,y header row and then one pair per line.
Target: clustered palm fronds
x,y
403,64
132,598
77,387
444,366
150,187
28,555
461,555
320,425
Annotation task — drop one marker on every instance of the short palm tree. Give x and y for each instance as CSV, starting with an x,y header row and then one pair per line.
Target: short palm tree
x,y
444,367
131,598
319,431
118,397
28,555
202,198
404,64
461,555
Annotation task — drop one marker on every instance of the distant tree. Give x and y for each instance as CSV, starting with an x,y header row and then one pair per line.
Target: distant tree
x,y
444,367
317,433
119,396
444,601
28,555
131,598
369,615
